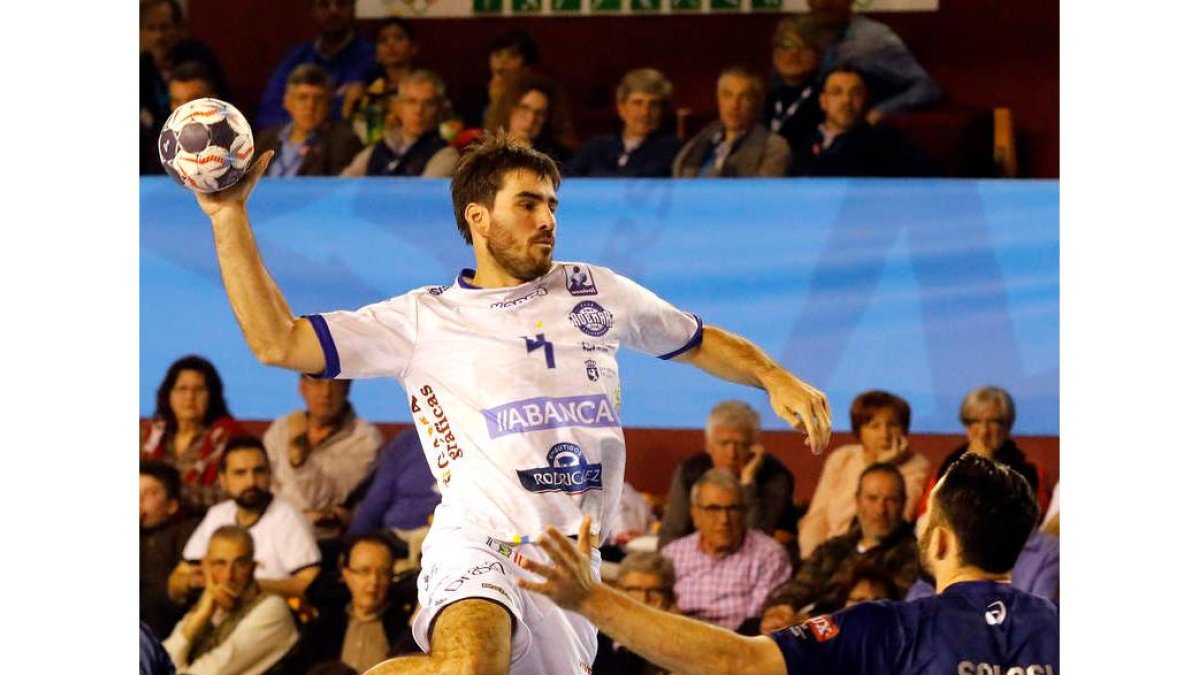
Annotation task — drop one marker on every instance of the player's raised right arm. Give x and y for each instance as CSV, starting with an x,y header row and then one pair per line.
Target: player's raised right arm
x,y
275,336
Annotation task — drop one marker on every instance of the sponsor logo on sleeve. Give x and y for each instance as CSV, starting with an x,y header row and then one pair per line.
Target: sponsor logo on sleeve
x,y
579,280
821,628
568,472
592,411
591,318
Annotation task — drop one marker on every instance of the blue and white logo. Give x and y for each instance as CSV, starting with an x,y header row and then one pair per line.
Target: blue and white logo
x,y
579,280
568,472
591,318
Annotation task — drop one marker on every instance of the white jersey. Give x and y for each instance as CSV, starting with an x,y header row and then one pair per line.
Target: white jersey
x,y
514,390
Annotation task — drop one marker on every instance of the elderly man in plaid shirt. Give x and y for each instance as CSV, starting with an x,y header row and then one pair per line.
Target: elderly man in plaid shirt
x,y
723,570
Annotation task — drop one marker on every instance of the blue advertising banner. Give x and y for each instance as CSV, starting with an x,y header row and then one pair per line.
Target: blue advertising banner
x,y
926,288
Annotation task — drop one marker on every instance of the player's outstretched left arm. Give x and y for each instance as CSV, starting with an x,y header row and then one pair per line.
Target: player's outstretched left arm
x,y
734,358
672,641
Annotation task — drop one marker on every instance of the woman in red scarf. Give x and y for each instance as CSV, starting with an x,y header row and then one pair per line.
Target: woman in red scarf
x,y
190,428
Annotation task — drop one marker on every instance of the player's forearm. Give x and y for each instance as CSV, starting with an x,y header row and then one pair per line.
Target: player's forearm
x,y
259,305
677,643
734,358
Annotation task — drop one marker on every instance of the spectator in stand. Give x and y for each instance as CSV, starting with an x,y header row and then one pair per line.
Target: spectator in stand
x,y
234,628
347,57
411,146
533,110
880,422
310,143
189,81
643,149
869,583
724,570
880,537
846,144
366,105
898,83
512,54
1050,522
402,493
366,620
164,531
731,443
785,606
737,145
988,414
164,47
190,428
634,518
793,109
648,578
318,455
285,550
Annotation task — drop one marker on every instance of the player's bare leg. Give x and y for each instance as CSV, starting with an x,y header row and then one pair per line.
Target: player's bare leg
x,y
470,637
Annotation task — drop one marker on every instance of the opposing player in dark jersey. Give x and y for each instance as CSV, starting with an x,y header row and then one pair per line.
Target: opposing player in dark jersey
x,y
977,624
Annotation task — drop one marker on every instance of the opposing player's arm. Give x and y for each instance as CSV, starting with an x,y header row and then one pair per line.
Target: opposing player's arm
x,y
275,336
734,358
675,642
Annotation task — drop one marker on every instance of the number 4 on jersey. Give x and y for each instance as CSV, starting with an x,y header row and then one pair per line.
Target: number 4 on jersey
x,y
537,342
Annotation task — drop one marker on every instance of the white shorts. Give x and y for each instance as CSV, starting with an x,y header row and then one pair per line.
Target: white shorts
x,y
459,563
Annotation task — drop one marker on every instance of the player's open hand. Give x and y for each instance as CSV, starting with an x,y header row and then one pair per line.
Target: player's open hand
x,y
803,406
568,581
235,196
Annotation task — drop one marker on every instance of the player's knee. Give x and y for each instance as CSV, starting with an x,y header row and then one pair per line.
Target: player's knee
x,y
472,664
473,637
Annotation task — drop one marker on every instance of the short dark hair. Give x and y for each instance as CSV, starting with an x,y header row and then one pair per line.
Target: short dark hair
x,y
481,170
404,25
369,538
212,381
788,593
310,74
883,467
847,70
991,509
868,403
165,474
193,70
243,443
875,575
145,6
518,41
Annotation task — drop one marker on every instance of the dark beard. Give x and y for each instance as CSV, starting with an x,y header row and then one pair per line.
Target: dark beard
x,y
254,499
526,269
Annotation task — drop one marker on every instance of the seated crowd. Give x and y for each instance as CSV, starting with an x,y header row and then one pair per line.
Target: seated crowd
x,y
299,552
338,105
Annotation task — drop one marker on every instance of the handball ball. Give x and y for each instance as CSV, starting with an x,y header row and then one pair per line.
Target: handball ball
x,y
206,145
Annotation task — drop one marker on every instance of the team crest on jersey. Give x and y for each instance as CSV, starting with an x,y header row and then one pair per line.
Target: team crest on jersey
x,y
579,280
592,370
568,472
591,318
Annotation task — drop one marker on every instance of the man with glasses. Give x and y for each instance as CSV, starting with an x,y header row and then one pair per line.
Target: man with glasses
x,y
234,627
724,571
370,625
411,145
648,578
792,108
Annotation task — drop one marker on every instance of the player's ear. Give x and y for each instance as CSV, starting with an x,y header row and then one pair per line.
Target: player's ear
x,y
477,219
941,542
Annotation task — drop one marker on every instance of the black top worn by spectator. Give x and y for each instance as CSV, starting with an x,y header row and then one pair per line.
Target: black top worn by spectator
x,y
793,112
385,162
825,576
605,157
864,151
323,639
156,102
161,549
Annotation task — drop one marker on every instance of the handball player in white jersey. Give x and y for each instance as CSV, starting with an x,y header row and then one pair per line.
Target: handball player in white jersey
x,y
511,375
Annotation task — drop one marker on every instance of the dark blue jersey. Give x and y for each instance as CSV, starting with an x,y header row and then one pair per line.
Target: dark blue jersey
x,y
973,628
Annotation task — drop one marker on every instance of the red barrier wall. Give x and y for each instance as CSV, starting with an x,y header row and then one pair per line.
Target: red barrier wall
x,y
654,453
985,54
